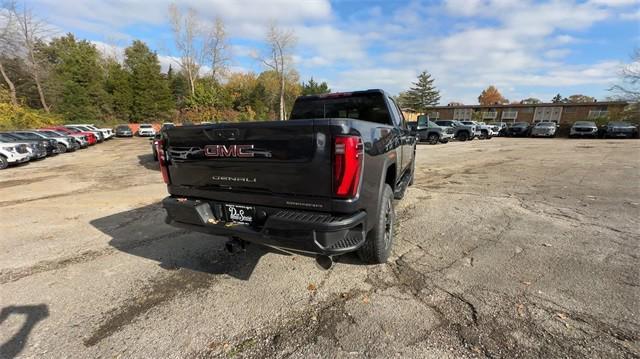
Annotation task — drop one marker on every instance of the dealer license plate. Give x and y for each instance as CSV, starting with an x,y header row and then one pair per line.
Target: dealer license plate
x,y
238,213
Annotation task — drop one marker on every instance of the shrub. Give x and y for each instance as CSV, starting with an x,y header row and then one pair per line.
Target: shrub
x,y
16,117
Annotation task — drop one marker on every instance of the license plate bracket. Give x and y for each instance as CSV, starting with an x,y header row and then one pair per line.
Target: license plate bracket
x,y
239,213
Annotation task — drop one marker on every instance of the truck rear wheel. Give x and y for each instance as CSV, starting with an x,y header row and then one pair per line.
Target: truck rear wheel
x,y
377,248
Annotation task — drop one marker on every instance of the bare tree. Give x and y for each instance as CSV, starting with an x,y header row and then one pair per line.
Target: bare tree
x,y
629,89
8,43
186,31
218,49
278,57
31,30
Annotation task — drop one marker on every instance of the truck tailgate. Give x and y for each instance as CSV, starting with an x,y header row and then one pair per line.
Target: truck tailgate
x,y
277,157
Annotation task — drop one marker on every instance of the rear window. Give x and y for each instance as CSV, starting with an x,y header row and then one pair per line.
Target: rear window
x,y
367,106
145,126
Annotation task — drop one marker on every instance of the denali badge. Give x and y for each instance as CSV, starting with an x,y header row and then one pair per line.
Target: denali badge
x,y
228,151
234,179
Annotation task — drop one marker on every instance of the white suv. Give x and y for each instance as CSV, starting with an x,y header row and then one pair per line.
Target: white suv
x,y
12,153
146,130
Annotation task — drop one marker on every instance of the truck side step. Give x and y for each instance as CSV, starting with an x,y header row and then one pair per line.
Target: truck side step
x,y
398,193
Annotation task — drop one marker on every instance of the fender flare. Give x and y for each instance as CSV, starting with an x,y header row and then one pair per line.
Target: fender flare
x,y
382,181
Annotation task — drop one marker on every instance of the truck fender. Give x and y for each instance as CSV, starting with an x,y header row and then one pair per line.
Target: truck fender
x,y
388,164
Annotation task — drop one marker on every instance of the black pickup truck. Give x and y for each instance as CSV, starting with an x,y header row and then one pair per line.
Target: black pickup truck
x,y
322,182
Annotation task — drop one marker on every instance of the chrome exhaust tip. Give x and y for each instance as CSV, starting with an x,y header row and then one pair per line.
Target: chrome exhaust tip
x,y
324,262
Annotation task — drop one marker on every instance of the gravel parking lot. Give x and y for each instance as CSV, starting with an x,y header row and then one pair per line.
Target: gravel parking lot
x,y
505,247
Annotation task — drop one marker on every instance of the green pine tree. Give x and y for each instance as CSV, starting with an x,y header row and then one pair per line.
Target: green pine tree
x,y
151,94
118,87
314,88
79,80
423,94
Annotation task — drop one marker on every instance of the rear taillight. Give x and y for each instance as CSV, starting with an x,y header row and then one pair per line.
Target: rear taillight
x,y
347,166
162,160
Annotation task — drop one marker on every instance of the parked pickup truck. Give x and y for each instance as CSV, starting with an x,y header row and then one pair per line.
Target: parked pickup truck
x,y
322,182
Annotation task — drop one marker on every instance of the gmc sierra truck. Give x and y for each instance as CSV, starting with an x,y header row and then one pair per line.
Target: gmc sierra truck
x,y
321,183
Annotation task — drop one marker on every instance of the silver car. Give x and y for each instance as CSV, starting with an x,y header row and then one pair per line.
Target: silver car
x,y
544,129
583,129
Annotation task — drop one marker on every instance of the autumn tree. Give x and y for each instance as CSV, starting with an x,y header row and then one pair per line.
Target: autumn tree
x,y
491,96
314,88
280,44
423,94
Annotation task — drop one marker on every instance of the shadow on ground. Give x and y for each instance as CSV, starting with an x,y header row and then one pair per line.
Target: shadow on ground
x,y
143,233
148,162
33,314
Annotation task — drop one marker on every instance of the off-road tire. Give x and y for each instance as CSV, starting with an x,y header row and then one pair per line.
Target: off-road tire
x,y
4,163
463,136
377,247
483,135
433,139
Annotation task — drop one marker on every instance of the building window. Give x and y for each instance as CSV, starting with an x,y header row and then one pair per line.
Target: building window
x,y
462,114
489,115
547,114
509,115
597,114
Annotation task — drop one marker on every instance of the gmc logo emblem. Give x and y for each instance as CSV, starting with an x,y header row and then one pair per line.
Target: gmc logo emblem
x,y
229,151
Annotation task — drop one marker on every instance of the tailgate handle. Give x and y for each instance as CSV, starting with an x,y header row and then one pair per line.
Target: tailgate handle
x,y
222,134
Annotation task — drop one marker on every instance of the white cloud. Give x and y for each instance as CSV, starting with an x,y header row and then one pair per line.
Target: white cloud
x,y
631,15
243,17
466,44
614,3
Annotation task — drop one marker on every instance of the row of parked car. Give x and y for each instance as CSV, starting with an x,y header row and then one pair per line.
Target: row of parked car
x,y
579,129
144,130
26,145
442,131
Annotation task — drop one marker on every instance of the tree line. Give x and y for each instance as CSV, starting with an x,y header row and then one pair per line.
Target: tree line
x,y
70,78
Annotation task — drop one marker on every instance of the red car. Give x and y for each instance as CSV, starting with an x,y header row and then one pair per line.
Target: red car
x,y
90,137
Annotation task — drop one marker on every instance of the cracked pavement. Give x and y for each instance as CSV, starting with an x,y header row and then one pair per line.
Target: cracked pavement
x,y
503,248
